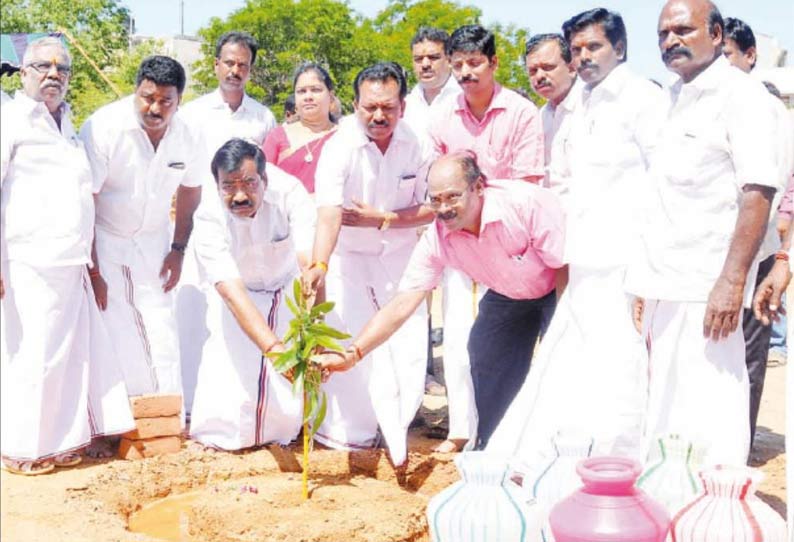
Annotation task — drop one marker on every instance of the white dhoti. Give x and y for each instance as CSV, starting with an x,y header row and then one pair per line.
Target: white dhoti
x,y
191,320
589,376
241,401
699,388
140,320
44,355
461,297
385,388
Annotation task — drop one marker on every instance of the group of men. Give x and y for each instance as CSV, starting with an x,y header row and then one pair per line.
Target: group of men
x,y
643,209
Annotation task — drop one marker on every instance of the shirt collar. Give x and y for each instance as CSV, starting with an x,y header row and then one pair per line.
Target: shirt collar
x,y
449,88
571,99
612,84
498,101
30,105
490,211
709,79
217,101
359,138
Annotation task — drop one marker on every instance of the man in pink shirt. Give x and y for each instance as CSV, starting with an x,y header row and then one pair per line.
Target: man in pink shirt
x,y
507,236
502,127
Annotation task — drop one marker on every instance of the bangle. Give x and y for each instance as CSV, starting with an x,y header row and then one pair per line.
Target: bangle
x,y
271,347
321,265
179,247
356,351
782,255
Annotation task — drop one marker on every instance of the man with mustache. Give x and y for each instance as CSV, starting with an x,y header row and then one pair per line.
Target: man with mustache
x,y
600,395
739,48
219,116
552,74
499,125
505,132
508,236
437,89
141,154
56,367
370,193
249,240
714,174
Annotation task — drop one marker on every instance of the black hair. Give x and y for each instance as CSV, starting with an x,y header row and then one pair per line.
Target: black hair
x,y
316,68
382,71
237,37
715,19
611,21
162,71
740,32
289,104
231,155
427,33
472,38
539,39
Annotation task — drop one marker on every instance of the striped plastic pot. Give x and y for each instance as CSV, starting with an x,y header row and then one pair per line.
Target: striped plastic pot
x,y
484,506
728,510
670,474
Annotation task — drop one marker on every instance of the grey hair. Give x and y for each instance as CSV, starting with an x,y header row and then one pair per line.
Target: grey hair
x,y
46,41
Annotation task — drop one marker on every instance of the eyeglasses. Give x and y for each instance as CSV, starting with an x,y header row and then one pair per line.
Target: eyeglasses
x,y
45,67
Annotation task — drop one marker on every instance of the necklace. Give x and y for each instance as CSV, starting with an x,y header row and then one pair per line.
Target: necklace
x,y
309,156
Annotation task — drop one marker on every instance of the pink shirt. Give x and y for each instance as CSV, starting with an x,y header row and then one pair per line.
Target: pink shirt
x,y
508,140
516,254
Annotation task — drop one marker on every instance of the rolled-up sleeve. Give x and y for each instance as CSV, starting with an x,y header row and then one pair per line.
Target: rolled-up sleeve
x,y
212,243
94,139
426,266
751,133
302,218
528,144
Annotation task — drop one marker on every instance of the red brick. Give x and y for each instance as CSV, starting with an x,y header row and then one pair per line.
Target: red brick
x,y
155,406
150,447
164,426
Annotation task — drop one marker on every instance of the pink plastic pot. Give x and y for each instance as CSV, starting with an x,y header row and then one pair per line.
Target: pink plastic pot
x,y
609,508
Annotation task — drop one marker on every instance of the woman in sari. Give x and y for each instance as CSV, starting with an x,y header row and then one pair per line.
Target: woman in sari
x,y
296,147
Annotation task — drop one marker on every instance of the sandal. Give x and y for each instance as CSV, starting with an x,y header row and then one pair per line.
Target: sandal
x,y
69,459
28,468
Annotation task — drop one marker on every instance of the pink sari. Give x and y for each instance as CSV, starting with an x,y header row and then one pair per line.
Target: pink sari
x,y
300,162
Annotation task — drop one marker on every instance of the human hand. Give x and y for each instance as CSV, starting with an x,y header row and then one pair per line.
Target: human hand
x,y
637,310
332,362
2,288
767,301
172,269
312,279
100,288
723,309
361,215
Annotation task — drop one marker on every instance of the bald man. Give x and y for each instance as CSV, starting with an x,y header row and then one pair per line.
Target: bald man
x,y
714,177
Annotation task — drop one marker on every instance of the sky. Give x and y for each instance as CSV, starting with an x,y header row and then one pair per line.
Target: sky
x,y
771,17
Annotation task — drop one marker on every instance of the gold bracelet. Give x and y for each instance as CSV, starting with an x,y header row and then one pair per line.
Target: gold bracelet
x,y
387,219
271,347
354,348
321,265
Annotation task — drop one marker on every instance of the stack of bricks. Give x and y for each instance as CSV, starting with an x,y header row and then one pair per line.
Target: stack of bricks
x,y
158,427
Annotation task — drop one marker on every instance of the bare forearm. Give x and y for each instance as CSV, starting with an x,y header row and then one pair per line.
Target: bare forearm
x,y
412,217
329,222
249,318
388,320
750,230
187,201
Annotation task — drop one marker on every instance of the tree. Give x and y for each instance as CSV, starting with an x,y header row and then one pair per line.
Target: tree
x,y
101,28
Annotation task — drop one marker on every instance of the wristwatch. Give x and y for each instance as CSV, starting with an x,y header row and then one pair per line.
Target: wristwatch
x,y
179,247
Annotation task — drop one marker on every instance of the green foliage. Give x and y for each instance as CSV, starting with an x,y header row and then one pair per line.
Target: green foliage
x,y
307,337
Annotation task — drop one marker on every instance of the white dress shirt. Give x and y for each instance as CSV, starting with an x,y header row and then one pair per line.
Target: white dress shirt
x,y
719,136
556,130
218,123
612,136
261,250
134,183
418,112
352,167
46,208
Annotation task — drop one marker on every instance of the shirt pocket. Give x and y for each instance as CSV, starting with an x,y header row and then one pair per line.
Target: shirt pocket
x,y
404,195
